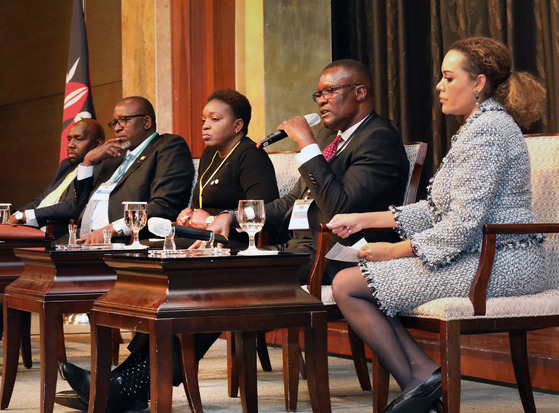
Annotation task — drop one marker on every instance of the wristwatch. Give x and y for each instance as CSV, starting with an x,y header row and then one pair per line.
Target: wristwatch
x,y
209,220
19,217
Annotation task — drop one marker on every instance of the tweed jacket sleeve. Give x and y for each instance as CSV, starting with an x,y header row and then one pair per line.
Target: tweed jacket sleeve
x,y
412,218
467,189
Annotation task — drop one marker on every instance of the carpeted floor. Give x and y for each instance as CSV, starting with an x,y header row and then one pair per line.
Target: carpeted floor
x,y
346,395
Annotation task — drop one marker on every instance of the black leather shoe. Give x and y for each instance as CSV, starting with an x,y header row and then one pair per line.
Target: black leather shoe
x,y
80,380
436,408
418,399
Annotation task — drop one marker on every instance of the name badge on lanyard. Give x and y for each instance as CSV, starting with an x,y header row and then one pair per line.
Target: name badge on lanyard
x,y
299,216
103,192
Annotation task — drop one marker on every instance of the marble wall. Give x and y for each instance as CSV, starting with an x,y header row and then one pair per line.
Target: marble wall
x,y
297,46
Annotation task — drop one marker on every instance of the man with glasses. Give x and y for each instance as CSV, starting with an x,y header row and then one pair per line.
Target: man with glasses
x,y
356,163
138,164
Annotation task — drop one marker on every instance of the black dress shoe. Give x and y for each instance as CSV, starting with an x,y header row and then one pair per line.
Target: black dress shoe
x,y
437,407
70,399
418,399
80,380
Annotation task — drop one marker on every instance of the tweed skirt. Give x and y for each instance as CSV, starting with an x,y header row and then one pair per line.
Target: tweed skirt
x,y
404,283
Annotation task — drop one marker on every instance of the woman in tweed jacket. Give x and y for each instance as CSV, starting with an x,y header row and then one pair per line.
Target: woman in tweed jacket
x,y
484,179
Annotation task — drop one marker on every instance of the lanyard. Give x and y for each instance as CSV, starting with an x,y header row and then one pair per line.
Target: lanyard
x,y
210,178
129,159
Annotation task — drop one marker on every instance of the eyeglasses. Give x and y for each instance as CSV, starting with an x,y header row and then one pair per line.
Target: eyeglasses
x,y
122,121
328,92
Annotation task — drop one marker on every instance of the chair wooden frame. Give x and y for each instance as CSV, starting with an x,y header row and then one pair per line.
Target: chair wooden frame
x,y
450,330
291,348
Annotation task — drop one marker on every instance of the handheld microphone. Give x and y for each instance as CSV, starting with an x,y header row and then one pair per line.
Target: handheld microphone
x,y
162,228
312,119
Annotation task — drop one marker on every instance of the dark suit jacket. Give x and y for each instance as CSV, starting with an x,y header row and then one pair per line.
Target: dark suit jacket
x,y
369,174
64,209
161,176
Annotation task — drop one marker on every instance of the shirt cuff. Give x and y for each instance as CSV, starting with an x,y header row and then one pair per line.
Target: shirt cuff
x,y
308,152
31,218
120,225
84,172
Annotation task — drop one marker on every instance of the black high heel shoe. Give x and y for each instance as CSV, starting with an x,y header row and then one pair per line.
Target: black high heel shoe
x,y
420,398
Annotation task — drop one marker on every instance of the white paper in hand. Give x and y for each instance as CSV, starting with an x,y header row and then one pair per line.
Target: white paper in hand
x,y
340,252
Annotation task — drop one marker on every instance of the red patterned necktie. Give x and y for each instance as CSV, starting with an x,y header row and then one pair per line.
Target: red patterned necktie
x,y
331,149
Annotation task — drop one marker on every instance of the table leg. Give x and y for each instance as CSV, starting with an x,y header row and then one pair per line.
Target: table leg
x,y
26,339
232,375
12,334
190,372
49,335
291,368
245,345
161,363
100,366
317,363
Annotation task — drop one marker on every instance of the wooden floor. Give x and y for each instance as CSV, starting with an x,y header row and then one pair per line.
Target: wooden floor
x,y
485,357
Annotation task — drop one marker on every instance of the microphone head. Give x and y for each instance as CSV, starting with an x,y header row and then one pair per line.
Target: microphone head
x,y
312,119
159,226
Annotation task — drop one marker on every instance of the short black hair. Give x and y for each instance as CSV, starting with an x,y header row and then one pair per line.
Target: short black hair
x,y
237,102
358,69
144,106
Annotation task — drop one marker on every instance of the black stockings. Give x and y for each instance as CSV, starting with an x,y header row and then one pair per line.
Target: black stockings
x,y
396,349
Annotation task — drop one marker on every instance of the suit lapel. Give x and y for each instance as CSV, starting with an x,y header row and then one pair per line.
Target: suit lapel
x,y
140,159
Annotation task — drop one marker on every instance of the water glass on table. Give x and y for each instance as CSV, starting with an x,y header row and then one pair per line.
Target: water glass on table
x,y
251,219
4,213
135,218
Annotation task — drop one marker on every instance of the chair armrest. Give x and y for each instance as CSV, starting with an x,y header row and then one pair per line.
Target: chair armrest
x,y
314,282
9,232
478,288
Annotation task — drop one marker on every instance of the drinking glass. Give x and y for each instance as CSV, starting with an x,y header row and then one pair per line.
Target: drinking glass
x,y
4,213
135,218
72,234
251,219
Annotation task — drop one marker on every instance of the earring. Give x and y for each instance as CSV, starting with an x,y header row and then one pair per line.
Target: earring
x,y
477,97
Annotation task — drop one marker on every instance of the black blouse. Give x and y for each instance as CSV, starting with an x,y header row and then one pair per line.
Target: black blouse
x,y
247,173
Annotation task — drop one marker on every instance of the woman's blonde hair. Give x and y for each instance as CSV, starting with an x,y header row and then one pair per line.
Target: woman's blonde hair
x,y
520,92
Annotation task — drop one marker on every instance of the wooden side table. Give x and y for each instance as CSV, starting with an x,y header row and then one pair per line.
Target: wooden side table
x,y
52,283
164,297
11,268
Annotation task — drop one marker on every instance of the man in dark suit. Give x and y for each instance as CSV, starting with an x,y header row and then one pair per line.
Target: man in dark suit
x,y
138,164
58,200
366,169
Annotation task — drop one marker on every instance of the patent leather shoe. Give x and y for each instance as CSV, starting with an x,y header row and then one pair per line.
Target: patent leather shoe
x,y
437,407
420,398
80,381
